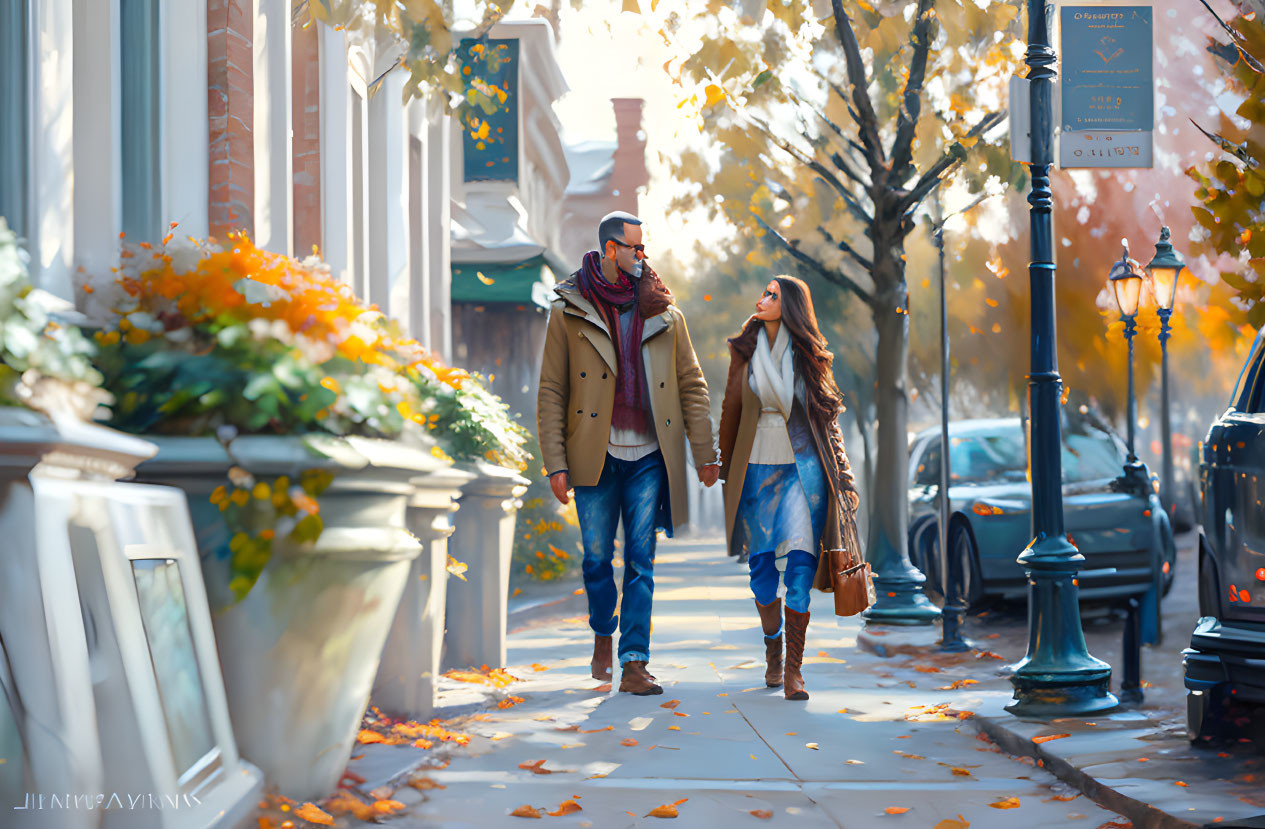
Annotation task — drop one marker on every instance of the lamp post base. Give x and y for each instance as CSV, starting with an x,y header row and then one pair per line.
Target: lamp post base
x,y
1062,695
899,600
1058,677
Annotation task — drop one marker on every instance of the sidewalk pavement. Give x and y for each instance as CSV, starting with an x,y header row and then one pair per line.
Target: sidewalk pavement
x,y
882,743
1136,761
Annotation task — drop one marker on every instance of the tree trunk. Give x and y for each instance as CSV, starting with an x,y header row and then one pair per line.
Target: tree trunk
x,y
897,583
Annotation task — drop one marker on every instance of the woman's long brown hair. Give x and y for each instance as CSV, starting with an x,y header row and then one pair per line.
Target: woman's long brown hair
x,y
813,359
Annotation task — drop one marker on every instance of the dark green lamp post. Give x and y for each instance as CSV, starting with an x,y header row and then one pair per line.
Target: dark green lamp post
x,y
1165,269
1126,278
1057,677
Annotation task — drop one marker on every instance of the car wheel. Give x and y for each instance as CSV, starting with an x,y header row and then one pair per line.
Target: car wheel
x,y
962,547
924,553
1168,555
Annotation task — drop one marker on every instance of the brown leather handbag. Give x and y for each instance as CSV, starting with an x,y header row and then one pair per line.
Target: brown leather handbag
x,y
851,578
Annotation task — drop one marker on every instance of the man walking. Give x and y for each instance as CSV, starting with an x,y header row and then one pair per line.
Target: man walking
x,y
620,390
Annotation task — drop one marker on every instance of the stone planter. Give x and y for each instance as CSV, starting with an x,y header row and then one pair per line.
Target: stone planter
x,y
299,652
484,540
405,686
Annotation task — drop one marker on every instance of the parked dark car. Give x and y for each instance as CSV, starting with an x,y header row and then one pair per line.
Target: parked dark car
x,y
1122,532
1225,664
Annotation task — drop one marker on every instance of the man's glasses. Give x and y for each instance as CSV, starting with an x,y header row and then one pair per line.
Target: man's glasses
x,y
638,248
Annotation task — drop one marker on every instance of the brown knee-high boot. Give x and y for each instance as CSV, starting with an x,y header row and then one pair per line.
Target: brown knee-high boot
x,y
796,626
771,622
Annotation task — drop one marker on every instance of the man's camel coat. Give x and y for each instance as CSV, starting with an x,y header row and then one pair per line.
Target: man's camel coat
x,y
577,394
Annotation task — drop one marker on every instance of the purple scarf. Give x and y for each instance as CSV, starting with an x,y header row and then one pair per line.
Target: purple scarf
x,y
609,298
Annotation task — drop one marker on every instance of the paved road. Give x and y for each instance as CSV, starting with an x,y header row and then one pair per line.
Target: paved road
x,y
732,752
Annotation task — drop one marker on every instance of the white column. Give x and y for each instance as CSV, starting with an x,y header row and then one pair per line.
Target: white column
x,y
419,297
185,124
274,168
97,191
439,227
387,192
335,120
52,231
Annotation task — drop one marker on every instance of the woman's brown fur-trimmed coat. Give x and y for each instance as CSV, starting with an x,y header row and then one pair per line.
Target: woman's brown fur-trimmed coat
x,y
739,413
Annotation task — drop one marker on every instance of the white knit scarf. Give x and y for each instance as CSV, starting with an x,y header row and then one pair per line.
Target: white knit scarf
x,y
774,369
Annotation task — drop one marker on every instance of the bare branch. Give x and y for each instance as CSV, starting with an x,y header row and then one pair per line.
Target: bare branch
x,y
842,280
867,120
1239,151
953,156
1237,39
911,106
865,264
817,167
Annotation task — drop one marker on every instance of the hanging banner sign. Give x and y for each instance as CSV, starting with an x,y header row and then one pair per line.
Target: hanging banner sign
x,y
1107,86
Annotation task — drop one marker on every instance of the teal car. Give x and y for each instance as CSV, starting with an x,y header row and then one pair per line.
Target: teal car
x,y
1121,530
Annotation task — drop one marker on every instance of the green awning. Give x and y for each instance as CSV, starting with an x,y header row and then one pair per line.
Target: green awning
x,y
520,283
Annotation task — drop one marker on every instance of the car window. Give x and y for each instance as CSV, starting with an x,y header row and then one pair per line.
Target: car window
x,y
1090,457
988,458
928,471
1248,391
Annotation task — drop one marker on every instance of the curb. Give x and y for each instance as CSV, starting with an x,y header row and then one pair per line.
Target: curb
x,y
1143,815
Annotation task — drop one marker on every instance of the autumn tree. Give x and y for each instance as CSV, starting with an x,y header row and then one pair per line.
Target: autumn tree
x,y
827,137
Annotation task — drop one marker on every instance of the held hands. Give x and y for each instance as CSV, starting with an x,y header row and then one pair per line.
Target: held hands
x,y
560,483
709,474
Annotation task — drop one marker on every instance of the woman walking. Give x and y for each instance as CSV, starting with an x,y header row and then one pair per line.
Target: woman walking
x,y
789,492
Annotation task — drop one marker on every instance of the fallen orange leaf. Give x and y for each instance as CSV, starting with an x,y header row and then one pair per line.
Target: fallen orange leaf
x,y
525,811
926,669
1063,798
366,737
423,784
952,823
762,814
1045,738
386,806
1180,783
536,767
896,810
1006,803
314,814
595,730
666,810
679,714
674,728
565,808
604,688
961,772
628,741
536,666
672,703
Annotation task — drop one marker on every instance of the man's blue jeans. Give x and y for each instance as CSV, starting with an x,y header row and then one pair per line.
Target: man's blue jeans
x,y
637,491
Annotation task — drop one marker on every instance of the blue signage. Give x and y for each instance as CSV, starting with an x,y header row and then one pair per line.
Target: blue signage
x,y
1107,80
489,115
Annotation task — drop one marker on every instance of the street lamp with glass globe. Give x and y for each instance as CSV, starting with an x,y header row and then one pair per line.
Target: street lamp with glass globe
x,y
1165,270
1126,279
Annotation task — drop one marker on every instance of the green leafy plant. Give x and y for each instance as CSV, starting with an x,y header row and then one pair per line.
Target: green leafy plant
x,y
44,364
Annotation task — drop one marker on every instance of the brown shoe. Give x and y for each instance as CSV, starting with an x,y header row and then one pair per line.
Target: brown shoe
x,y
637,681
796,626
601,665
771,622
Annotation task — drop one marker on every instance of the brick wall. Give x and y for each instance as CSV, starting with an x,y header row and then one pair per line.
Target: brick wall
x,y
230,95
305,103
630,155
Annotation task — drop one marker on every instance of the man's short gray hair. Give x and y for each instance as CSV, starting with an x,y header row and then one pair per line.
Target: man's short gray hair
x,y
611,228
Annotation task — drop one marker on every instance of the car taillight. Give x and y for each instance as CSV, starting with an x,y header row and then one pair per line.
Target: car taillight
x,y
986,509
1260,574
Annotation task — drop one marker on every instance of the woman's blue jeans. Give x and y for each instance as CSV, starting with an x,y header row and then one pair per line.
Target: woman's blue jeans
x,y
637,491
801,568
